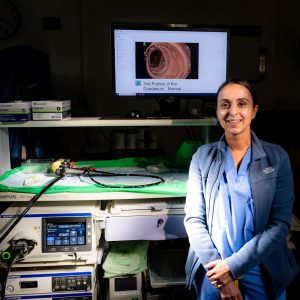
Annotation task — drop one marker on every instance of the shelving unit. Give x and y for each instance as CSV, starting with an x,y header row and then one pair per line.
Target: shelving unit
x,y
5,164
159,225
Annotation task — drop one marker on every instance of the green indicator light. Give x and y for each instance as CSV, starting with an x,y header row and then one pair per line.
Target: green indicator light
x,y
5,255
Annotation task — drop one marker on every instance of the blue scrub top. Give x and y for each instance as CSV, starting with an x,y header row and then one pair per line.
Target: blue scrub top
x,y
233,214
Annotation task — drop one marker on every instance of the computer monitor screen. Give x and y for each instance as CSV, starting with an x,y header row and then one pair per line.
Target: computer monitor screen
x,y
168,61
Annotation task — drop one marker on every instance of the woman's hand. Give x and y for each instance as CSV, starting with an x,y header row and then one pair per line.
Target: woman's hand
x,y
218,273
220,277
230,291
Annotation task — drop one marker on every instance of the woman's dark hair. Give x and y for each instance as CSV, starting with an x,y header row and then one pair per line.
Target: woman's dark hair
x,y
244,83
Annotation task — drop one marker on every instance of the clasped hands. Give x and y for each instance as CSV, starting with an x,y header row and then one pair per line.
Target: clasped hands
x,y
221,277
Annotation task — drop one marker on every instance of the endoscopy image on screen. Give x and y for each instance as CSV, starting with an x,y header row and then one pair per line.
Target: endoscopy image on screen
x,y
167,60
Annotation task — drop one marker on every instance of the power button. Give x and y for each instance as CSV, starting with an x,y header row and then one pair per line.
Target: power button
x,y
10,288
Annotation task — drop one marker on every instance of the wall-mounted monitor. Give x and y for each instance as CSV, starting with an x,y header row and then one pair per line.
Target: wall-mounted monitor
x,y
168,61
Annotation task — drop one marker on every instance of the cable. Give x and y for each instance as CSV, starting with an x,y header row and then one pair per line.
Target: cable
x,y
111,174
22,249
16,251
120,186
31,203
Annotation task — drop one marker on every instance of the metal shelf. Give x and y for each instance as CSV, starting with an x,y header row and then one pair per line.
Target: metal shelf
x,y
103,122
94,122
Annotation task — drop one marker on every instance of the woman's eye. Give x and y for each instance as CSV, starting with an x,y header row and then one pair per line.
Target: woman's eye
x,y
225,105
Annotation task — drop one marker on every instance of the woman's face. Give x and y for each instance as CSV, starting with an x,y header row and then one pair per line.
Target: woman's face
x,y
235,109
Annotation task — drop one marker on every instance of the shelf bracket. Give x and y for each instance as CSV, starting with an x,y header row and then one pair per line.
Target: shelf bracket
x,y
5,164
206,134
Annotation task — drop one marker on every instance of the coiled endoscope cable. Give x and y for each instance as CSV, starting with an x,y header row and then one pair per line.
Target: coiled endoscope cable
x,y
91,172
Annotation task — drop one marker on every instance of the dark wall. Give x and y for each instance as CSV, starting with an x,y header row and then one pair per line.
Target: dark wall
x,y
280,127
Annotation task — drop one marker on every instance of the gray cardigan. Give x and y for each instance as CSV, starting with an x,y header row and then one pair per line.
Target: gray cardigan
x,y
272,186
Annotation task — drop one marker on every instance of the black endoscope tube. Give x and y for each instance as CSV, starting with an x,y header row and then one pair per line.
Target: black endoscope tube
x,y
89,171
31,203
120,186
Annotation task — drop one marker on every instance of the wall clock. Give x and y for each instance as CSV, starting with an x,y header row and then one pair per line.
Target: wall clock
x,y
10,19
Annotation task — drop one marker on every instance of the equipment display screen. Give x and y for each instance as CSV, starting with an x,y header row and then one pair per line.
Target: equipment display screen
x,y
66,234
61,233
125,284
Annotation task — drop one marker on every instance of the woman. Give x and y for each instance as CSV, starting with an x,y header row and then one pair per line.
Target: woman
x,y
238,208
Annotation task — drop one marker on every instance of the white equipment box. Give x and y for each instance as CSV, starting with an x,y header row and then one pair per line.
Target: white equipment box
x,y
147,219
67,281
65,234
55,296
